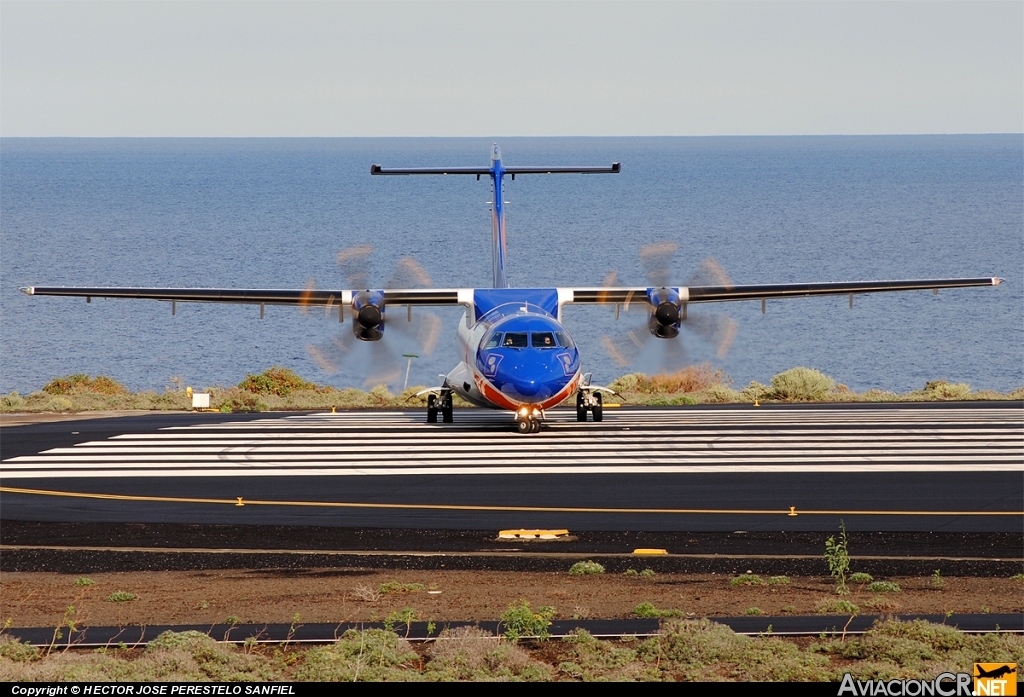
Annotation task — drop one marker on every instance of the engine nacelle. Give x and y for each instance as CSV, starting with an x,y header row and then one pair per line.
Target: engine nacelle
x,y
368,315
664,317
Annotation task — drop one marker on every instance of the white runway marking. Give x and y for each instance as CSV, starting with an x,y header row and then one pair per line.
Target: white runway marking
x,y
633,441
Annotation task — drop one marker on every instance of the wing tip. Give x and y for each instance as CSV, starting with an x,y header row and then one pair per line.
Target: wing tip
x,y
996,280
28,290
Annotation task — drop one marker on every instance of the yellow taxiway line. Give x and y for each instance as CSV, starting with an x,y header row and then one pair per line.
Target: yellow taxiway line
x,y
239,501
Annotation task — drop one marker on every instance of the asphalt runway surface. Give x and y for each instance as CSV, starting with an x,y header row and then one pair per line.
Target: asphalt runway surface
x,y
944,467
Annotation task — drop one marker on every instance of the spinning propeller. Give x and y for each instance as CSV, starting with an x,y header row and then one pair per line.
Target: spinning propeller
x,y
361,346
664,316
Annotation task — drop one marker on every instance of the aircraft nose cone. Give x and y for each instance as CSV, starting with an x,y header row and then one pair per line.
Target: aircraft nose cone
x,y
531,375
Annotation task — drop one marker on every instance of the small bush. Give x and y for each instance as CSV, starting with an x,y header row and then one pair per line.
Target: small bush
x,y
1017,577
58,403
397,587
881,603
937,581
942,390
747,580
844,607
586,568
861,577
755,391
83,581
519,621
884,587
646,609
647,573
81,383
12,402
630,572
14,650
276,380
801,384
778,581
120,597
753,611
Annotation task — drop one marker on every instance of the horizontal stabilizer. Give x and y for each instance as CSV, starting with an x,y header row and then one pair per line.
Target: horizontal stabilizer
x,y
377,169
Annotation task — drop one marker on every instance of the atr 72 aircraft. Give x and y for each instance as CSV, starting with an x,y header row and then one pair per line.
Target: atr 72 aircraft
x,y
515,353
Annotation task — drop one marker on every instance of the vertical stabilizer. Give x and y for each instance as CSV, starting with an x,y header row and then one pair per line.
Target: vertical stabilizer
x,y
497,172
498,219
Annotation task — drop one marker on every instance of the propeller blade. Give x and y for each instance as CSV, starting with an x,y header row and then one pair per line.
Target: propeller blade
x,y
353,264
657,262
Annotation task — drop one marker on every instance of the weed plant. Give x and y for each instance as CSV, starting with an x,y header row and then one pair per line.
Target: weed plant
x,y
884,587
838,559
586,568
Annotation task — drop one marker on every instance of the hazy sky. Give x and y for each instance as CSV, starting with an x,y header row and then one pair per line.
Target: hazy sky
x,y
509,68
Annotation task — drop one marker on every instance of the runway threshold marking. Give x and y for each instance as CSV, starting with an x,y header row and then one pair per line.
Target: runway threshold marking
x,y
240,501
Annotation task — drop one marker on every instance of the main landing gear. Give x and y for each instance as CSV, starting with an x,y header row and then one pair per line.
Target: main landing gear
x,y
440,403
589,400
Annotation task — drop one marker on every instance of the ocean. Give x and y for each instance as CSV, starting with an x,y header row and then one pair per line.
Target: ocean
x,y
273,213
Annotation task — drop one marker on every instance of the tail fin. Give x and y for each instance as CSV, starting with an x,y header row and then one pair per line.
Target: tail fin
x,y
497,171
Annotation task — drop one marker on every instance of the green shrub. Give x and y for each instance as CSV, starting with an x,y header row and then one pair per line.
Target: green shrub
x,y
586,568
14,650
397,587
942,390
647,573
755,391
83,581
646,609
630,572
884,587
519,621
778,581
12,402
801,384
58,403
120,597
747,580
861,577
838,558
753,611
844,607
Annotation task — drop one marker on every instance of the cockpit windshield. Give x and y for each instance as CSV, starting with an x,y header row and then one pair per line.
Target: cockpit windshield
x,y
514,340
543,340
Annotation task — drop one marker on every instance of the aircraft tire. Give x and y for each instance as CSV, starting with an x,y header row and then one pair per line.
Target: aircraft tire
x,y
449,417
535,426
431,409
598,409
581,413
524,426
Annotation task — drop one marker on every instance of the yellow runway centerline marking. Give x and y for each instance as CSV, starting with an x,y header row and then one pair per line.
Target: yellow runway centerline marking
x,y
239,501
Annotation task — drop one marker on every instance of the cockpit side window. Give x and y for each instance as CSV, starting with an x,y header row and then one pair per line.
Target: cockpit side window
x,y
543,340
494,341
564,340
514,340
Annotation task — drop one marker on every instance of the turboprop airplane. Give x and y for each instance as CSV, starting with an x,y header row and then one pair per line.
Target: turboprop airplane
x,y
515,354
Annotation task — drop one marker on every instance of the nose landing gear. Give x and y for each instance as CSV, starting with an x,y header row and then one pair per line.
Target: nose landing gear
x,y
528,419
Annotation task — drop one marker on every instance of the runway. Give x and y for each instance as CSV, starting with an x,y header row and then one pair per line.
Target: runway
x,y
943,466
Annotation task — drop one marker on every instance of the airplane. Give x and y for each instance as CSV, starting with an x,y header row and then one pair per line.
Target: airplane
x,y
515,353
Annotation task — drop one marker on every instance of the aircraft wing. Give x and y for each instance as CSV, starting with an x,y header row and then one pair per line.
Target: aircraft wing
x,y
252,296
614,168
706,294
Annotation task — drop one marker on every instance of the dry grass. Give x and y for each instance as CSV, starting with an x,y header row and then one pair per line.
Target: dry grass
x,y
280,389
